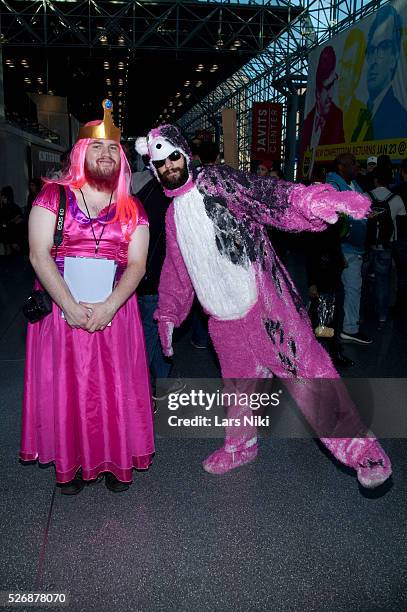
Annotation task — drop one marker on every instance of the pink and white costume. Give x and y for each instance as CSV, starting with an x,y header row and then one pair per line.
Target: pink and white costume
x,y
217,248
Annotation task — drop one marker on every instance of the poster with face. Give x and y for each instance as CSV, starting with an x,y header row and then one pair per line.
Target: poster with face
x,y
357,91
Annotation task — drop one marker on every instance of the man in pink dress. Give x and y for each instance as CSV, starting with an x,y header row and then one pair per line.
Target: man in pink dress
x,y
87,403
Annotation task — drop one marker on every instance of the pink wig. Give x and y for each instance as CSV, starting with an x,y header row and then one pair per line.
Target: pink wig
x,y
74,176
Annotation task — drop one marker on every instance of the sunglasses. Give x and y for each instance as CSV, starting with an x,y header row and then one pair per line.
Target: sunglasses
x,y
174,156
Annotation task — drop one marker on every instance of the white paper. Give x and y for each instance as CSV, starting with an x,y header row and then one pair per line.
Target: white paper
x,y
89,279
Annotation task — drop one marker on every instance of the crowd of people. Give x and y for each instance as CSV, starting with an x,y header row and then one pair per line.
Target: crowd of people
x,y
187,233
351,263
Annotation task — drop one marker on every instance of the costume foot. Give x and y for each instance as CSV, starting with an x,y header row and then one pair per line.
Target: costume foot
x,y
375,469
73,487
115,485
222,461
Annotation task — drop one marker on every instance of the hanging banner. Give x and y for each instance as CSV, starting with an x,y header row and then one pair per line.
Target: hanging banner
x,y
230,149
357,91
266,131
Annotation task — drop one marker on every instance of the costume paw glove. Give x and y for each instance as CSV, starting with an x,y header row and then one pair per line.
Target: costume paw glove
x,y
165,329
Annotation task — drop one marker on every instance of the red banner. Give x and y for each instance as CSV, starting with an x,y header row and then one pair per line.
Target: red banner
x,y
266,131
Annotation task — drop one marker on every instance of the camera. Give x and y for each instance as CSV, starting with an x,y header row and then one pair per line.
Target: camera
x,y
37,306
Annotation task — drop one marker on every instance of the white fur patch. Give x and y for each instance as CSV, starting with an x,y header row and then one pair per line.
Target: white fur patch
x,y
227,291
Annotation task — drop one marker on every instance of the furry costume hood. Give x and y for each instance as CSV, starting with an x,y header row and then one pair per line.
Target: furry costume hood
x,y
159,144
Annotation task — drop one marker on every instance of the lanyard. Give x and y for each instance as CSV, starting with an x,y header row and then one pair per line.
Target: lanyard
x,y
97,240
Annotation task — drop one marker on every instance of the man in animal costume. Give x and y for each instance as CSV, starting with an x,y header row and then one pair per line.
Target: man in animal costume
x,y
217,248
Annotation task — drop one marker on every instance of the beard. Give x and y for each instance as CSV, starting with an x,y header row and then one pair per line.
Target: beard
x,y
173,181
101,177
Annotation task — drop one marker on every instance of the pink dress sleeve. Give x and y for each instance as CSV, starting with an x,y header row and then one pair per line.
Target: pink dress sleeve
x,y
142,215
48,197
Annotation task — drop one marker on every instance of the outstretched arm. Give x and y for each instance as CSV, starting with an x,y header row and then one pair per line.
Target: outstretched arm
x,y
176,293
287,206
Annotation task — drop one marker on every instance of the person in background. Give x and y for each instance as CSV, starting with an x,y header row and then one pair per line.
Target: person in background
x,y
366,181
263,168
353,249
195,146
324,265
381,232
400,247
149,192
11,222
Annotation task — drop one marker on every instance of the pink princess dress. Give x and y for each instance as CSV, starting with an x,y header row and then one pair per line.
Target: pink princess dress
x,y
87,399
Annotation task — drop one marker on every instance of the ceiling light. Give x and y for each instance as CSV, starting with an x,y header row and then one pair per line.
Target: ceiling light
x,y
8,61
106,65
187,83
188,95
180,103
213,68
171,103
120,81
120,66
120,40
198,83
199,68
219,44
108,82
109,93
237,43
23,61
173,110
178,94
103,39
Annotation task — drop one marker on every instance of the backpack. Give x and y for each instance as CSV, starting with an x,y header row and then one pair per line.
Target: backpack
x,y
380,228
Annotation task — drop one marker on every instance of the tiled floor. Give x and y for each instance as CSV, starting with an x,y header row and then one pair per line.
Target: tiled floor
x,y
292,531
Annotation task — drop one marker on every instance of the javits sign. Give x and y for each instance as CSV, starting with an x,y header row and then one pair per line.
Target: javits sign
x,y
266,132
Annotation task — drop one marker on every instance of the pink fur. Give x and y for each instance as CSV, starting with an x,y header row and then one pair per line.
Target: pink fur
x,y
258,357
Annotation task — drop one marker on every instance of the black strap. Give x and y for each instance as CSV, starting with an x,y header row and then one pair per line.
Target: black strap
x,y
59,227
376,200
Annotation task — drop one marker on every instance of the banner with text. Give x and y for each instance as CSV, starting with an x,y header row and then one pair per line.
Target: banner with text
x,y
357,91
266,131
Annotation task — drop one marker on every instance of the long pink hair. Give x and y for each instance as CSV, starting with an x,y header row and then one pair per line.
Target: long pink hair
x,y
126,205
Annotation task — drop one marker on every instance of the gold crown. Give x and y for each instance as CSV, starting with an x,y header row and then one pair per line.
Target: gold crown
x,y
105,130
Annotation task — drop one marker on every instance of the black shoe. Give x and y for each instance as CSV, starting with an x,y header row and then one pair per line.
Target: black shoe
x,y
341,361
175,385
73,487
359,338
113,484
